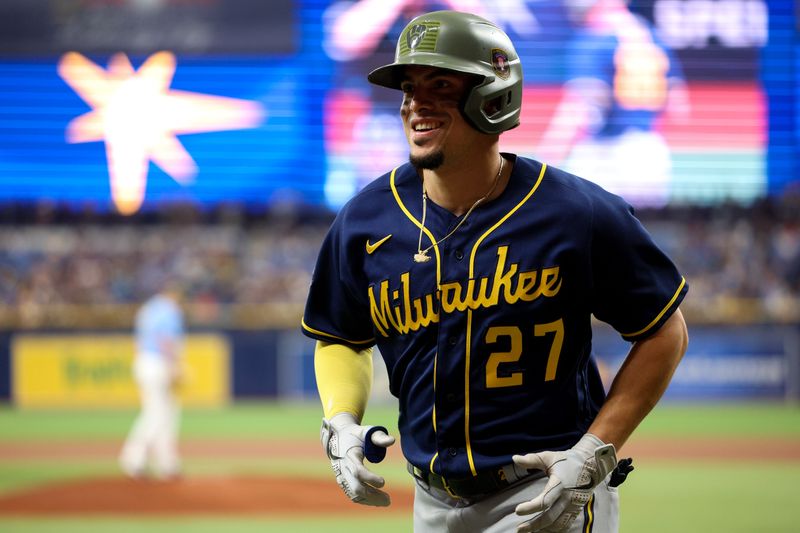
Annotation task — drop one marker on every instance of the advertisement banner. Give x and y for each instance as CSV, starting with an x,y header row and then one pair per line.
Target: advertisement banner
x,y
85,371
722,362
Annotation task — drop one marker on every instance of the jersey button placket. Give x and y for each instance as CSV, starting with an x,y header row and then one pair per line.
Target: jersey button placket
x,y
459,255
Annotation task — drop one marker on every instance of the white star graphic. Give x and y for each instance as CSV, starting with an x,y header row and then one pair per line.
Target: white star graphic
x,y
138,117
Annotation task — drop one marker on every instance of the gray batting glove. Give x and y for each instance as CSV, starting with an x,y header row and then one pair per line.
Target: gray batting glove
x,y
343,439
573,474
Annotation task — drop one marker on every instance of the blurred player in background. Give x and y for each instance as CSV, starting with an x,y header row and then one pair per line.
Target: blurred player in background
x,y
477,273
621,77
157,370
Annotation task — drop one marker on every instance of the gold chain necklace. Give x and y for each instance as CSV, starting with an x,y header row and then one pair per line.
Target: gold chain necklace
x,y
422,255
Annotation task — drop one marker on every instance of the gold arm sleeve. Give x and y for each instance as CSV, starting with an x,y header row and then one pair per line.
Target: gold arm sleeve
x,y
344,378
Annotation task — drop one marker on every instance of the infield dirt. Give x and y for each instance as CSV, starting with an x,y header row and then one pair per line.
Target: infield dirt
x,y
283,494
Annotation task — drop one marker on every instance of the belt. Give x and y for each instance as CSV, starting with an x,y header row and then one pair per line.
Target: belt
x,y
484,483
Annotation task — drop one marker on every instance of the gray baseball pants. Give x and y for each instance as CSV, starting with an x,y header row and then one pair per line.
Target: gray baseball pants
x,y
435,511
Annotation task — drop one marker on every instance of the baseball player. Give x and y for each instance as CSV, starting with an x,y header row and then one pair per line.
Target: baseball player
x,y
476,274
159,332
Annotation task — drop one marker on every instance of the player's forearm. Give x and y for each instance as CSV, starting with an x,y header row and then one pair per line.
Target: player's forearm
x,y
344,378
641,381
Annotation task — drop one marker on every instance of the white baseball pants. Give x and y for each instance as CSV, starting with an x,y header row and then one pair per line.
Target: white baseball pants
x,y
154,435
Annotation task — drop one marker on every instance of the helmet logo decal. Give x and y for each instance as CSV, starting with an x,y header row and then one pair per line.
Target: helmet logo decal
x,y
415,35
500,63
419,38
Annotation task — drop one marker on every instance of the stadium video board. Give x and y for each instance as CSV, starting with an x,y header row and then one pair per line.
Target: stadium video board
x,y
130,104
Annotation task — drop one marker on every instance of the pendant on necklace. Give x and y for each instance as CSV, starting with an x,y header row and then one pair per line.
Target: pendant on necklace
x,y
421,257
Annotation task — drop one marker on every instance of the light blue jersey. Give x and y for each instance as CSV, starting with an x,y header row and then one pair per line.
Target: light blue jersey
x,y
159,319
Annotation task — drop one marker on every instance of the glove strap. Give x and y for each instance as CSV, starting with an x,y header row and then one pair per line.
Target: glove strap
x,y
606,459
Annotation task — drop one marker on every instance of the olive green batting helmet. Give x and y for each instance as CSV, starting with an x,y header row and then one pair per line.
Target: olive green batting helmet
x,y
469,44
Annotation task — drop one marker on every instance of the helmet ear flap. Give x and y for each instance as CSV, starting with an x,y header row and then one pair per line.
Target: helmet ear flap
x,y
495,107
493,111
467,101
492,107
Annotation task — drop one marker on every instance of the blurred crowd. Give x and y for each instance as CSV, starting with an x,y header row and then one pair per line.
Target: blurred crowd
x,y
92,274
742,263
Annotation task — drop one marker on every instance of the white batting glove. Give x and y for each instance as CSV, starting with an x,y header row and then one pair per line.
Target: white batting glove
x,y
573,474
343,439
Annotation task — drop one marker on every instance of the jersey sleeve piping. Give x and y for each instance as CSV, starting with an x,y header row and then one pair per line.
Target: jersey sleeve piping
x,y
328,337
660,315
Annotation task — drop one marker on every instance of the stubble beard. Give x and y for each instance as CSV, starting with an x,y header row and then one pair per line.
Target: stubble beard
x,y
429,161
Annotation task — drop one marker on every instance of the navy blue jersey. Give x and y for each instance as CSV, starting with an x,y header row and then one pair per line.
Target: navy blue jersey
x,y
488,345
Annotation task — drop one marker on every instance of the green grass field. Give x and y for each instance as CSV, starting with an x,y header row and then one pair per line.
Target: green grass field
x,y
742,496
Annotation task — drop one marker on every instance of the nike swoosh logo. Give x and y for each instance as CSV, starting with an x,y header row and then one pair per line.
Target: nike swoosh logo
x,y
372,247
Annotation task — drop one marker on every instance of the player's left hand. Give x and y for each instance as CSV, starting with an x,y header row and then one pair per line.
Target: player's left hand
x,y
347,443
573,475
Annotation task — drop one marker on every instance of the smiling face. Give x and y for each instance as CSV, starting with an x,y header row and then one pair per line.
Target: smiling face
x,y
434,126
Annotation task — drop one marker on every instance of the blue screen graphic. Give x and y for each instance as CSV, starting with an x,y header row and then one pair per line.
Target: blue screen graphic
x,y
324,132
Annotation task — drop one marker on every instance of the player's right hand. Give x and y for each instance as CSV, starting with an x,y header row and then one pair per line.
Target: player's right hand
x,y
343,439
573,474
